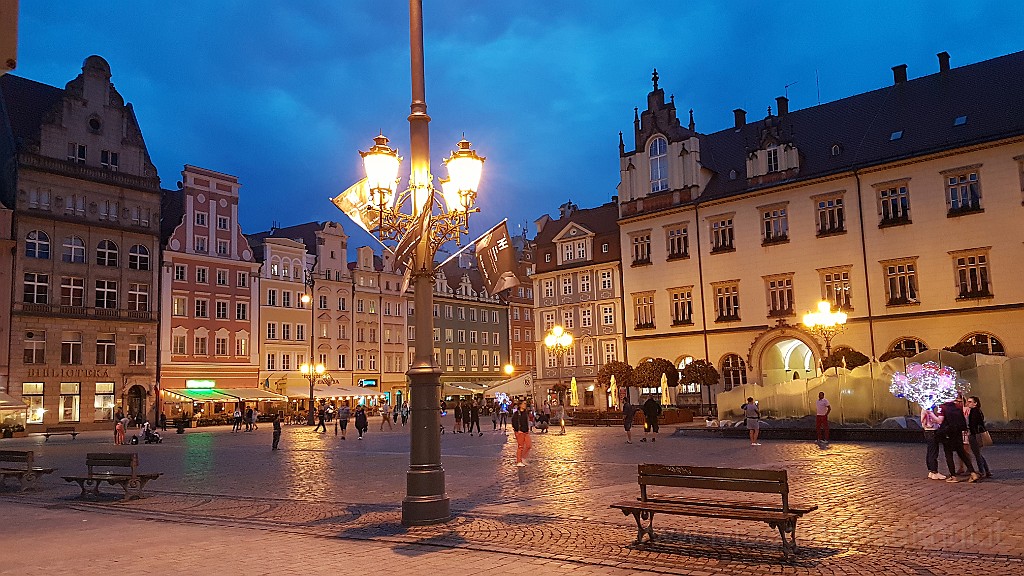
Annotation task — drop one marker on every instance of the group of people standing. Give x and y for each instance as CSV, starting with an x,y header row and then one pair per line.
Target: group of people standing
x,y
247,416
959,427
651,409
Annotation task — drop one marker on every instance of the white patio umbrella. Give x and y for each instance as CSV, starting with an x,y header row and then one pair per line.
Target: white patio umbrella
x,y
613,394
574,393
666,400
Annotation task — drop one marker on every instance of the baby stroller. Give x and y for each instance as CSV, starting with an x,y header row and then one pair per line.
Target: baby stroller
x,y
149,436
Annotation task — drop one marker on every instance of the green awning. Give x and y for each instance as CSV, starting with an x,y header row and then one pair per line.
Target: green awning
x,y
199,395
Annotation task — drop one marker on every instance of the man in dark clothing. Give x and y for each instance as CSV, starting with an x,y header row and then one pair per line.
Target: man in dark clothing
x,y
321,416
652,410
474,417
521,426
951,434
277,430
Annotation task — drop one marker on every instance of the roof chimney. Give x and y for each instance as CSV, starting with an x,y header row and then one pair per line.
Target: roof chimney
x,y
782,105
741,117
899,74
943,61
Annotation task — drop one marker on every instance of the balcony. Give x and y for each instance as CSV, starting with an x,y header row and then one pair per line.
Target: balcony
x,y
85,312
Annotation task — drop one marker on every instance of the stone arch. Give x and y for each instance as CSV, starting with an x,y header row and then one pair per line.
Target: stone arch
x,y
769,342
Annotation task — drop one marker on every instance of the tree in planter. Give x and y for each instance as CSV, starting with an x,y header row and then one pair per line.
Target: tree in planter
x,y
895,354
852,359
623,375
648,373
701,373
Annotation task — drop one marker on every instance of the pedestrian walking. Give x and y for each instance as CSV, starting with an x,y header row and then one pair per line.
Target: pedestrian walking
x,y
951,434
752,414
474,417
823,409
930,421
503,416
521,427
467,423
976,428
342,419
361,421
628,415
277,431
163,421
547,416
248,419
458,419
405,413
236,420
652,411
494,416
255,418
385,412
321,419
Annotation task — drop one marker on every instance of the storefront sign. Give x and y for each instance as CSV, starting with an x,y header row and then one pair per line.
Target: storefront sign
x,y
67,372
200,383
368,382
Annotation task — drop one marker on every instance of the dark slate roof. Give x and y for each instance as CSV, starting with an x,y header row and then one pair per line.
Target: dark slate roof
x,y
305,233
453,274
30,100
172,210
599,220
378,264
988,93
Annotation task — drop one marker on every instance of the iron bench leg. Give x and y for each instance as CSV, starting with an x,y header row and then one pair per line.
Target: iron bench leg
x,y
28,479
788,542
640,516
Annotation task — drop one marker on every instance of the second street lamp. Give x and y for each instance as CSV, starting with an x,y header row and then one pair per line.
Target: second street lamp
x,y
315,373
826,323
558,341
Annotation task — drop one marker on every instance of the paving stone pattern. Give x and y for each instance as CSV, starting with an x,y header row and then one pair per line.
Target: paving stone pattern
x,y
877,511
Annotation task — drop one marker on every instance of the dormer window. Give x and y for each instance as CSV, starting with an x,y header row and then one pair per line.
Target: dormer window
x,y
659,165
773,159
109,160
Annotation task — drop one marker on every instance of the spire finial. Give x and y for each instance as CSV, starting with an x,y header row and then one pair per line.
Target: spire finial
x,y
692,125
622,145
769,110
636,116
654,77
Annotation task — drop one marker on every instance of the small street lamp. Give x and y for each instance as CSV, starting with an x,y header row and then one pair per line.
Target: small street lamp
x,y
826,323
421,219
314,374
307,300
558,341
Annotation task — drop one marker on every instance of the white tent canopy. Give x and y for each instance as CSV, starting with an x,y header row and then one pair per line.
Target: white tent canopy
x,y
521,385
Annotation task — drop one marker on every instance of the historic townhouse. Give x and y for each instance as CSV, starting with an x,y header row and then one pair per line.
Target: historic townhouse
x,y
379,326
900,206
578,286
86,201
522,342
471,330
7,246
209,298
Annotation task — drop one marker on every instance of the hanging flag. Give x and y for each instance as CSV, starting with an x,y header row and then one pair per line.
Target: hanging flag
x,y
496,259
355,203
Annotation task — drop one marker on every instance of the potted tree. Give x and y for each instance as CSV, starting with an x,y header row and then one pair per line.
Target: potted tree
x,y
701,373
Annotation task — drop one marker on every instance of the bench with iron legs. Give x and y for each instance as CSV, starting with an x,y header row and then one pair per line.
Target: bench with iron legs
x,y
783,518
108,467
59,431
27,474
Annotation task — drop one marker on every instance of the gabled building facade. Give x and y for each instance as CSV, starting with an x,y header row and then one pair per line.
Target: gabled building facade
x,y
522,343
86,201
577,285
899,206
379,326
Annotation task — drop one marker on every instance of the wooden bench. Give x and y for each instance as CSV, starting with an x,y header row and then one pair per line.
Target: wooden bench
x,y
27,474
60,430
782,517
107,467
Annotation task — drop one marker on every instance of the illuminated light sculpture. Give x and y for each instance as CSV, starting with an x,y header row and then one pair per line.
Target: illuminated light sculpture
x,y
928,384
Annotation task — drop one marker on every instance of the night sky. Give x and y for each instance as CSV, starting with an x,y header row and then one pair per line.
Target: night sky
x,y
283,94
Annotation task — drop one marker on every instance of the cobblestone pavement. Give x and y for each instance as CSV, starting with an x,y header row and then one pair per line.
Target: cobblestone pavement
x,y
877,511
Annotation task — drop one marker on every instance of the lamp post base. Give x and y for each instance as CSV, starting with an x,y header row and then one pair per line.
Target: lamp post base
x,y
426,501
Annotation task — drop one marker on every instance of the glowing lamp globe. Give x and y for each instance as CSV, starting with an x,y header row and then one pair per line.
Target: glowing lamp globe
x,y
464,170
381,164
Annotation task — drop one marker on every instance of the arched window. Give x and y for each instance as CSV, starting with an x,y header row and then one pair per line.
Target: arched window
x,y
659,164
106,253
912,345
37,245
986,343
138,257
74,250
734,371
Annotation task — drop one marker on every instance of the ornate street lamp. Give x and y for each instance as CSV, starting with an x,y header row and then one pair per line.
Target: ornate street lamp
x,y
307,300
421,219
558,341
315,373
826,323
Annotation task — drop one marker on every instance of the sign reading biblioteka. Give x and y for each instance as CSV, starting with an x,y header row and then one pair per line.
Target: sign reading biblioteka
x,y
496,259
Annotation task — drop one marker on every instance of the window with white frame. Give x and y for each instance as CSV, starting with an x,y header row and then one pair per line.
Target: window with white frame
x,y
70,401
222,277
779,294
138,297
584,282
641,248
271,361
658,154
72,291
643,306
202,275
286,361
35,347
106,294
178,344
831,215
201,244
103,401
607,315
286,300
773,159
606,279
272,297
222,222
220,346
727,300
901,281
76,153
137,350
985,344
586,317
109,160
516,334
202,308
774,224
106,253
552,358
222,247
300,332
734,371
242,280
32,395
893,203
678,241
179,306
241,310
722,238
70,347
610,353
963,190
221,310
201,218
271,330
682,305
908,346
568,319
549,287
74,250
567,285
835,287
570,356
972,274
549,320
36,289
484,336
588,353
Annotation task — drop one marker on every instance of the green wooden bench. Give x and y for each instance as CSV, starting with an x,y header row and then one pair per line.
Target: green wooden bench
x,y
109,468
60,430
27,474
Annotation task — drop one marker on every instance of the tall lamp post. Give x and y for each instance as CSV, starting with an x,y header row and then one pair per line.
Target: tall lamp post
x,y
307,300
558,341
315,373
434,218
826,323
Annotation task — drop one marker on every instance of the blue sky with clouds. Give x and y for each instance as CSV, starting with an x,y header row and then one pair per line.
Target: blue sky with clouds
x,y
284,94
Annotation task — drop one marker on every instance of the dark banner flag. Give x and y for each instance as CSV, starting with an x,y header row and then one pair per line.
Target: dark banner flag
x,y
496,259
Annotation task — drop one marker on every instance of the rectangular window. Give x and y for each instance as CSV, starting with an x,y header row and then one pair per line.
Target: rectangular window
x,y
682,305
70,401
200,218
222,222
242,279
774,225
893,205
448,311
607,315
642,249
272,297
901,281
222,247
76,152
138,297
300,332
72,291
286,300
606,279
678,241
972,278
286,331
727,301
109,160
200,244
462,313
221,310
484,337
516,334
494,338
36,288
103,401
202,308
222,277
271,330
462,336
106,294
610,354
568,319
241,311
449,335
220,346
643,307
722,238
549,288
286,361
106,351
586,317
32,394
963,192
835,287
137,350
271,361
241,347
549,320
473,336
831,218
35,347
200,349
202,275
588,354
584,283
71,347
773,159
567,285
494,316
178,344
179,306
779,295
